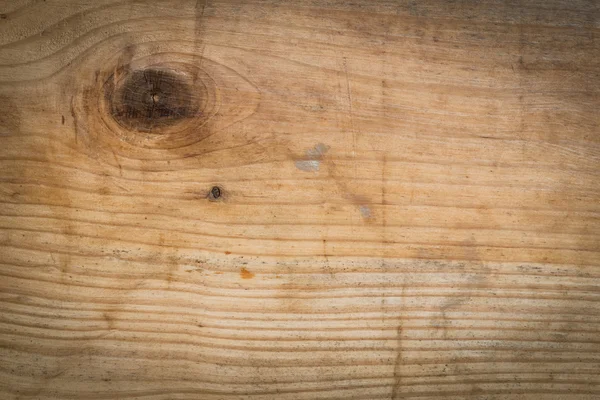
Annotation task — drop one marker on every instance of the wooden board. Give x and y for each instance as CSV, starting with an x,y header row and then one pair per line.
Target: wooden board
x,y
299,199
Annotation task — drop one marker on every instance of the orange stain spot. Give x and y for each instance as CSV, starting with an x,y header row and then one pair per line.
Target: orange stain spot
x,y
245,274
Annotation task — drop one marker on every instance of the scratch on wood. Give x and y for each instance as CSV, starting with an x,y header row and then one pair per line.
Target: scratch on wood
x,y
74,119
384,215
200,8
117,161
349,93
399,355
397,364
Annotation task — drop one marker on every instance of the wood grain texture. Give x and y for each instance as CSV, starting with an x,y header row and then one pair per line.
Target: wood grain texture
x,y
299,199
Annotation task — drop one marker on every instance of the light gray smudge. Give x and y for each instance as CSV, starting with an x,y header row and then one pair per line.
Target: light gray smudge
x,y
318,151
365,211
312,162
308,165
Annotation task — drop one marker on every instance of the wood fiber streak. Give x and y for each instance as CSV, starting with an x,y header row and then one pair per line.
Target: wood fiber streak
x,y
325,199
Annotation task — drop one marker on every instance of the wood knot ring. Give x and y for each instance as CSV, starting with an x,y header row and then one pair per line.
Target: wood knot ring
x,y
150,99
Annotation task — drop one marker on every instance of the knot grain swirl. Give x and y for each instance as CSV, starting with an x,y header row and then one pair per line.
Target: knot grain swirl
x,y
151,99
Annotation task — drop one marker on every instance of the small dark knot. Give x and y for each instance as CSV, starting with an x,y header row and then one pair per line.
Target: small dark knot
x,y
215,193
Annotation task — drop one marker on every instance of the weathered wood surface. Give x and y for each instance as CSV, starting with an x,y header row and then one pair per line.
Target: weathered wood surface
x,y
407,204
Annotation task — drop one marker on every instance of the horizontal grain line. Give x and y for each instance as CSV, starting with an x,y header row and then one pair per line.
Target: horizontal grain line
x,y
280,296
151,261
421,375
323,287
446,18
71,217
118,171
253,335
331,313
299,223
584,189
108,336
347,180
383,317
318,290
453,327
139,394
466,380
416,382
330,240
278,240
290,363
587,210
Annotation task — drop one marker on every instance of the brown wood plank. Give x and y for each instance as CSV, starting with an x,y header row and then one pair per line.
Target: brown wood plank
x,y
299,199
